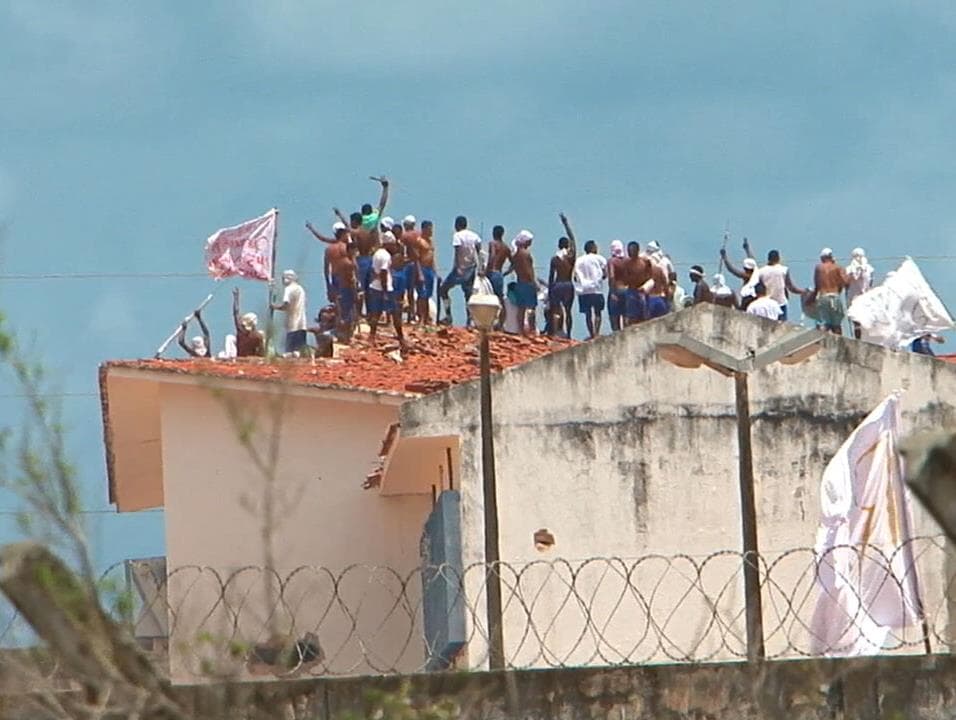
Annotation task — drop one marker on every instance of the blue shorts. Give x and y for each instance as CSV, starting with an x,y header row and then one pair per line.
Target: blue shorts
x,y
379,301
426,286
364,271
561,293
591,301
783,312
497,281
616,301
656,306
526,294
347,298
399,285
411,275
332,290
295,341
465,279
635,305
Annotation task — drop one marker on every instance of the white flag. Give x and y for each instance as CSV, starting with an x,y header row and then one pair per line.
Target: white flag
x,y
900,310
243,250
866,576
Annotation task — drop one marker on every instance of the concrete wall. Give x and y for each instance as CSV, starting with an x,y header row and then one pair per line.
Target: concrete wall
x,y
214,510
619,453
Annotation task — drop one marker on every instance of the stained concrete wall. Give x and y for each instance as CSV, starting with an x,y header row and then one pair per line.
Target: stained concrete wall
x,y
619,453
214,512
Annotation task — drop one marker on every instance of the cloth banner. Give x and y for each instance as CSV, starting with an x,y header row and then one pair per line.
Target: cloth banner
x,y
866,576
243,250
900,310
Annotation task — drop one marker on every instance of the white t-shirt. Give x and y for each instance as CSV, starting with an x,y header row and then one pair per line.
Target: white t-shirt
x,y
294,295
381,260
470,242
589,272
764,307
774,278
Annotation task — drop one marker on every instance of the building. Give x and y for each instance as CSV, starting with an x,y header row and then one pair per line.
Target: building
x,y
617,492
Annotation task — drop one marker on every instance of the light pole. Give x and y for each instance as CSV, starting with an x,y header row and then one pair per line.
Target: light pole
x,y
687,352
484,310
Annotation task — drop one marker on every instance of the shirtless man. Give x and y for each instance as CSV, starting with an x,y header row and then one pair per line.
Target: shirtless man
x,y
199,346
250,341
383,298
364,244
340,279
422,249
390,235
409,238
560,285
526,290
657,303
637,271
498,253
829,280
617,284
746,274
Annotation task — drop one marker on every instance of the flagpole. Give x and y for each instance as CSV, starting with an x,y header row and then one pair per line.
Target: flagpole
x,y
275,243
162,348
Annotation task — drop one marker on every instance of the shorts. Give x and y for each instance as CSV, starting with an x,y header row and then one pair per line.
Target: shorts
x,y
656,306
426,286
399,285
526,295
635,305
411,275
561,293
346,304
497,281
364,271
591,302
616,302
466,279
830,312
295,341
380,301
783,312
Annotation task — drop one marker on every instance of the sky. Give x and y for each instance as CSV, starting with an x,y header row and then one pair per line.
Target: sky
x,y
130,131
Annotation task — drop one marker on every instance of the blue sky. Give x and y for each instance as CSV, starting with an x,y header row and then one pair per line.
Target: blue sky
x,y
129,131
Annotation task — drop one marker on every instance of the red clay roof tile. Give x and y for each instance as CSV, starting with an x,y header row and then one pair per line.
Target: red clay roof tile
x,y
438,359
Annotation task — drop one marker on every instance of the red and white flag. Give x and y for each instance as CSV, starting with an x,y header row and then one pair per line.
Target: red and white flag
x,y
243,250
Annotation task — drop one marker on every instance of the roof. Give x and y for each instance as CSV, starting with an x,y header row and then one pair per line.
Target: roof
x,y
439,358
947,358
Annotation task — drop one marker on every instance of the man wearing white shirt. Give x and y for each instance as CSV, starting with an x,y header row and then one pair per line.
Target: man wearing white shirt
x,y
776,279
590,270
381,291
293,305
763,306
467,246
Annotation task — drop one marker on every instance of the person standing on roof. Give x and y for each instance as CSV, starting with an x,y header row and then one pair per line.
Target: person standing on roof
x,y
763,306
829,281
590,271
560,286
250,341
637,271
467,247
657,256
859,275
382,295
776,278
362,243
702,292
617,285
293,305
423,250
498,253
746,273
409,239
371,215
526,288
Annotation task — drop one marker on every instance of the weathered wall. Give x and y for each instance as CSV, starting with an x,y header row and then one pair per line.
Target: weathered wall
x,y
619,453
214,510
900,688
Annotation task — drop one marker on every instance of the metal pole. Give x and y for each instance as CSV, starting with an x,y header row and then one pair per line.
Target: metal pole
x,y
748,523
496,653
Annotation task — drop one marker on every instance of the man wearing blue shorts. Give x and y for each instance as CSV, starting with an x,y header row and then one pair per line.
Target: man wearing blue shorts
x,y
382,294
590,270
638,273
467,246
560,286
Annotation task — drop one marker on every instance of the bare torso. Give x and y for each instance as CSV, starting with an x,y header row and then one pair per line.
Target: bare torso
x,y
341,263
498,252
829,278
524,265
562,267
617,273
638,271
365,240
660,281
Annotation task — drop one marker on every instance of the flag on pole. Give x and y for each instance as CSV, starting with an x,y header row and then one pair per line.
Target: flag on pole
x,y
866,574
900,310
243,250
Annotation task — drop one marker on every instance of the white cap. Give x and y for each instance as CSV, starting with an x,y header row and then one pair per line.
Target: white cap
x,y
858,252
750,264
387,223
409,220
653,246
338,226
826,252
290,274
388,237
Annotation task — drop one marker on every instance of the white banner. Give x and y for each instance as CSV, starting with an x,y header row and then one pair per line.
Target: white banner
x,y
866,575
243,250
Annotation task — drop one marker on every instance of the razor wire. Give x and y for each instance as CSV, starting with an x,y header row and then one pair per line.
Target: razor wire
x,y
557,613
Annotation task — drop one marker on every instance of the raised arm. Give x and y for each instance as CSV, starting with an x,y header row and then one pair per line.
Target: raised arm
x,y
731,268
205,332
319,236
341,217
383,201
235,309
573,248
748,249
181,339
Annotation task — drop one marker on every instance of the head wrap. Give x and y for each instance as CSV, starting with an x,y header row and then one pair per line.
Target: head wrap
x,y
750,264
387,223
653,246
697,270
290,275
826,253
338,226
522,239
859,254
249,321
617,249
409,220
199,344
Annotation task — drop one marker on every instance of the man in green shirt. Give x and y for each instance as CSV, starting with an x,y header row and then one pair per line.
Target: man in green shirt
x,y
371,215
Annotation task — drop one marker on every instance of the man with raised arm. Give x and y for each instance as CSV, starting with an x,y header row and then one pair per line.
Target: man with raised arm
x,y
829,282
560,284
363,245
199,346
371,215
340,277
467,246
250,341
